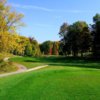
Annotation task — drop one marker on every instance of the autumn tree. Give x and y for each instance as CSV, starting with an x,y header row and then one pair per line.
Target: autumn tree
x,y
35,47
9,21
28,49
55,48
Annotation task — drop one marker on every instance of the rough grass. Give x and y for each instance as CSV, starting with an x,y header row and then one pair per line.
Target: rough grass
x,y
63,79
6,67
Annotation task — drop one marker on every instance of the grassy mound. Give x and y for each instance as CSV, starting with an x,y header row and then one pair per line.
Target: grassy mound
x,y
8,66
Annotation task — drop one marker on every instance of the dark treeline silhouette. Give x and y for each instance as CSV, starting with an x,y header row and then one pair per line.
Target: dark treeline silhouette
x,y
81,38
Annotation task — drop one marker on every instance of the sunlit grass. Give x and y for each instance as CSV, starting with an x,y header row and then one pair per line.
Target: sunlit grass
x,y
52,83
63,79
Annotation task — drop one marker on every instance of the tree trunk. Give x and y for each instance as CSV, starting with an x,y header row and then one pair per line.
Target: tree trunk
x,y
81,54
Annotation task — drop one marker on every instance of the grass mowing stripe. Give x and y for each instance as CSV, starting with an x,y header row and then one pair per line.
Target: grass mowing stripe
x,y
61,80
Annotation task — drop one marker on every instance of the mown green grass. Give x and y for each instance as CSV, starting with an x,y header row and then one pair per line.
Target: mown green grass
x,y
52,84
29,62
63,79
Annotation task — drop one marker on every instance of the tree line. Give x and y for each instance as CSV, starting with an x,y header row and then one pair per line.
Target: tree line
x,y
12,42
50,48
81,38
76,39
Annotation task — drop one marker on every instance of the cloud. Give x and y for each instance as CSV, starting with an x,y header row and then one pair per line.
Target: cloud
x,y
33,7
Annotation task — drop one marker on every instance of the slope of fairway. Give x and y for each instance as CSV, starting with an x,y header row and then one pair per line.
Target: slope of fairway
x,y
29,62
52,84
61,80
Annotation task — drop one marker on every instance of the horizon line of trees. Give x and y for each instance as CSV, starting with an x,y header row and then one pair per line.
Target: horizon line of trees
x,y
81,38
50,48
10,40
76,39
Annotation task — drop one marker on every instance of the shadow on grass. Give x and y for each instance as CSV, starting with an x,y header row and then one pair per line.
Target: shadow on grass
x,y
89,65
30,61
67,61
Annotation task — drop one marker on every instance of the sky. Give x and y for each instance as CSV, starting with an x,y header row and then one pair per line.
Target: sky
x,y
43,18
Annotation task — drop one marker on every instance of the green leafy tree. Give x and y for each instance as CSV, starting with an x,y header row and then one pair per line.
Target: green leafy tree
x,y
46,48
74,38
63,43
28,49
96,35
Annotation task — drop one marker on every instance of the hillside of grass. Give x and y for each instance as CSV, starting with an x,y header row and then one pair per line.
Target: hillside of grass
x,y
52,83
30,62
64,79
